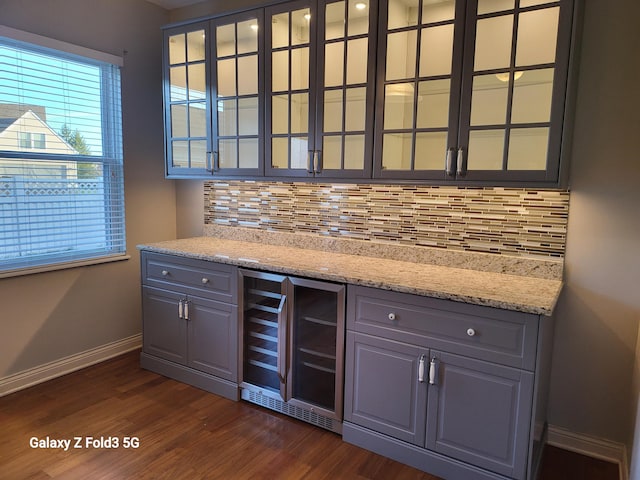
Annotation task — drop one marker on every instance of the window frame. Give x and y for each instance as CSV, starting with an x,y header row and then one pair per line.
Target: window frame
x,y
111,157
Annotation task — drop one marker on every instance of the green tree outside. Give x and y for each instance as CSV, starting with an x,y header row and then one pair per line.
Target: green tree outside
x,y
77,141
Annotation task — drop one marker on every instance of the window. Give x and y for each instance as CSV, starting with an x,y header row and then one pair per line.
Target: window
x,y
61,179
32,140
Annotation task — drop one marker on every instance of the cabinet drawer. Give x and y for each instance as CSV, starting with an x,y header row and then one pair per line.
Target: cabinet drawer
x,y
491,334
211,280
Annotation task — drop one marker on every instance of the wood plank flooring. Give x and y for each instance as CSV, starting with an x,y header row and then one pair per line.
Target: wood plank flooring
x,y
185,433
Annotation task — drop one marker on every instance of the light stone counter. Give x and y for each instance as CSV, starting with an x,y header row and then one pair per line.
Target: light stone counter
x,y
501,290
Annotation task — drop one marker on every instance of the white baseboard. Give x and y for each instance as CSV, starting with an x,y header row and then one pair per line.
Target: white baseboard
x,y
42,373
591,446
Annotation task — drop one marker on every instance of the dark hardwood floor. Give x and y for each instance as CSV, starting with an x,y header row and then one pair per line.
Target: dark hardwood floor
x,y
174,431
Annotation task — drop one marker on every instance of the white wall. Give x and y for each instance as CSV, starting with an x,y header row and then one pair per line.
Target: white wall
x,y
49,316
599,311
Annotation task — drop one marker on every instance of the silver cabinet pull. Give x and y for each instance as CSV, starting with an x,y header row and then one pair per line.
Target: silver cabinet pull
x,y
471,332
421,369
433,370
283,300
216,161
317,161
310,161
165,273
180,309
392,316
209,166
448,165
186,309
205,280
460,170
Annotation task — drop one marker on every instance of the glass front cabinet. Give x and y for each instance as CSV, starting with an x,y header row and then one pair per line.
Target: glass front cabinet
x,y
464,91
213,98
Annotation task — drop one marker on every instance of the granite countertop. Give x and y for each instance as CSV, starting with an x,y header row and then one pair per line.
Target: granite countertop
x,y
506,291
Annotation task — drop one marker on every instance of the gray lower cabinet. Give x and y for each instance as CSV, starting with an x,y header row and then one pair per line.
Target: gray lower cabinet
x,y
188,333
383,392
479,412
445,387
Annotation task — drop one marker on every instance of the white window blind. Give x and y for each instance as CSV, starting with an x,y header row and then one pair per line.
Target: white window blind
x,y
61,179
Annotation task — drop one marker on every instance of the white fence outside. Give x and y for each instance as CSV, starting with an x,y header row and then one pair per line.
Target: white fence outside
x,y
48,216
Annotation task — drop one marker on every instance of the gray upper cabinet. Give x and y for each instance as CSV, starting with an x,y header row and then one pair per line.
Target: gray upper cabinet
x,y
472,91
213,97
320,88
448,91
187,100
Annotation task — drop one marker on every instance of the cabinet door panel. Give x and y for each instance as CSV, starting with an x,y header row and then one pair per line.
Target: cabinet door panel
x,y
290,87
480,413
187,102
213,338
382,391
514,80
165,333
420,62
316,334
237,64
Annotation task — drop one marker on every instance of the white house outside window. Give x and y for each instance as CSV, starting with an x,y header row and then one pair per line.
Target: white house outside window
x,y
61,181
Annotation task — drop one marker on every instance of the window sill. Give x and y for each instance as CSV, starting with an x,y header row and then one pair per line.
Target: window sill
x,y
18,272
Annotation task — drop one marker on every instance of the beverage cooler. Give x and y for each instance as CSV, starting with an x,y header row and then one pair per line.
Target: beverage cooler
x,y
292,346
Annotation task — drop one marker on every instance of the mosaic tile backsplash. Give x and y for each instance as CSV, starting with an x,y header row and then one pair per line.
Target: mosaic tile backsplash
x,y
508,221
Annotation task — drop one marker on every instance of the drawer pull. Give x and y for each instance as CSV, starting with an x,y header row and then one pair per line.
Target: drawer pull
x,y
205,280
392,316
471,332
165,273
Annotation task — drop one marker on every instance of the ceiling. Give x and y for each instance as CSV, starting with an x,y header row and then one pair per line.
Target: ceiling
x,y
171,4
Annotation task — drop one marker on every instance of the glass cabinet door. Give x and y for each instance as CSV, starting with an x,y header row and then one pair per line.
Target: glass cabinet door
x,y
290,108
515,76
419,79
237,94
317,343
264,332
187,100
346,78
320,88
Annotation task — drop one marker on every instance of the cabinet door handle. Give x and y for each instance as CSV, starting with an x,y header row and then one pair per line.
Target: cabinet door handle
x,y
180,309
165,273
317,161
186,309
283,300
216,161
460,170
310,160
209,166
205,280
433,370
421,369
281,363
448,165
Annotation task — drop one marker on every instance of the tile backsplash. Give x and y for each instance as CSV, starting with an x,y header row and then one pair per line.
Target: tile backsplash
x,y
520,222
